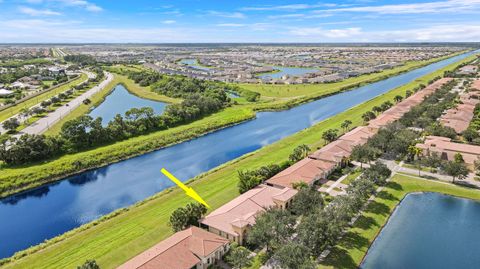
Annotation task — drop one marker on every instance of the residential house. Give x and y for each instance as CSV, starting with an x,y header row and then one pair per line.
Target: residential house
x,y
447,149
193,248
233,220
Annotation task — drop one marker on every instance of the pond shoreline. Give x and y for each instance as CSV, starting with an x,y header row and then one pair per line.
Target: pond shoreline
x,y
268,107
213,172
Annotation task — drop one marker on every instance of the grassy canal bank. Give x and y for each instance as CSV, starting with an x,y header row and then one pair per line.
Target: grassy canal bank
x,y
117,237
351,249
15,179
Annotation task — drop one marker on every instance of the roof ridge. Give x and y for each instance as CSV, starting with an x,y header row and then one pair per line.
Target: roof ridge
x,y
179,241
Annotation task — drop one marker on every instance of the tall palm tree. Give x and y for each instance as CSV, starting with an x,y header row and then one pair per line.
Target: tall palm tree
x,y
416,152
345,125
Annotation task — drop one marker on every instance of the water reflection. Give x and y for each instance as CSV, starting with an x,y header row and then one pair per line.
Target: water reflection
x,y
120,101
52,210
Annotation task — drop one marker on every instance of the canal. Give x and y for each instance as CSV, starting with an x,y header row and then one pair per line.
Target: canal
x,y
42,213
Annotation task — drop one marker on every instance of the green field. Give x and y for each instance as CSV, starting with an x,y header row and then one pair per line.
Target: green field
x,y
354,245
7,113
121,235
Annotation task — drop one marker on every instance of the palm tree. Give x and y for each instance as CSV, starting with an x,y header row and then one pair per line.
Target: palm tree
x,y
377,109
416,152
398,98
345,125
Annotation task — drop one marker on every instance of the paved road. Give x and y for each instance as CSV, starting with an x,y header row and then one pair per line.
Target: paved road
x,y
392,165
22,118
43,124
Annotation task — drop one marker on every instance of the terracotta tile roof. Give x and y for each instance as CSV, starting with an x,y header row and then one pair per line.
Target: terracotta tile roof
x,y
459,117
307,170
242,210
180,251
444,146
476,84
358,135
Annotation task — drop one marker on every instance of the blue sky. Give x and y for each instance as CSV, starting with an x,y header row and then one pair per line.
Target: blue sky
x,y
173,21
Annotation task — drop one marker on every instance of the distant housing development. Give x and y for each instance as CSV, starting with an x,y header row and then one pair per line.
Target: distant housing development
x,y
267,64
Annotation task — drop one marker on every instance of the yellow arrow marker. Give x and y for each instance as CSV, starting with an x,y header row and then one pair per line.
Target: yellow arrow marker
x,y
188,191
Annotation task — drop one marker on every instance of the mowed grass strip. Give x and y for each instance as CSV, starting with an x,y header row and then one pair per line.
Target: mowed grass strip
x,y
114,240
11,111
354,245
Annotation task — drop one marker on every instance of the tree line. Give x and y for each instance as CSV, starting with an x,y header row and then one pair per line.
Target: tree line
x,y
85,132
183,87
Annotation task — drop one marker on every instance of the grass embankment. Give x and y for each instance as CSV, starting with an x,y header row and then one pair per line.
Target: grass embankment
x,y
309,90
121,235
354,245
100,96
11,111
15,179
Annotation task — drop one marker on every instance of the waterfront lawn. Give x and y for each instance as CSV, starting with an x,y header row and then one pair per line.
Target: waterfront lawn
x,y
113,241
7,113
354,245
300,90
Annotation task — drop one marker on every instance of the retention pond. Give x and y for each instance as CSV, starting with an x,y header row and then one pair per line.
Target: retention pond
x,y
39,214
428,230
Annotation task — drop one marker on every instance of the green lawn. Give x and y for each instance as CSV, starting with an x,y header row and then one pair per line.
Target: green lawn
x,y
298,90
352,176
115,240
354,245
7,113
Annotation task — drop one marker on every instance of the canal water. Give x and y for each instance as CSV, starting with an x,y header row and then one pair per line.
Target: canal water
x,y
31,217
428,230
120,101
290,71
194,64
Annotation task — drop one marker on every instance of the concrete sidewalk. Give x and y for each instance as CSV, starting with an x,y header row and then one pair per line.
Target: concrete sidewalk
x,y
398,168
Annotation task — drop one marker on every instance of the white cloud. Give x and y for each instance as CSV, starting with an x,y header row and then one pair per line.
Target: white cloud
x,y
77,3
416,8
38,12
292,7
434,33
233,15
231,25
168,22
299,16
327,33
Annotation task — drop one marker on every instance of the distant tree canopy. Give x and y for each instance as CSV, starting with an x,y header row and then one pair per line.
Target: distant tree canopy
x,y
183,87
80,59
